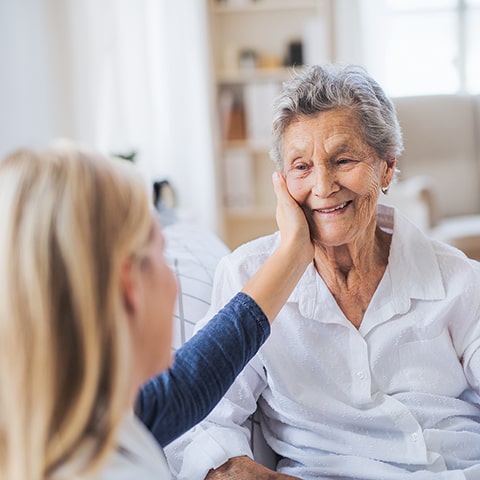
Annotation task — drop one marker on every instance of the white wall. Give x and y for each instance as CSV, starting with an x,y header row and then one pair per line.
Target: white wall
x,y
34,104
65,73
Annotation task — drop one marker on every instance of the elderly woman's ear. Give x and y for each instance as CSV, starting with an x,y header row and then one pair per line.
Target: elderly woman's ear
x,y
389,172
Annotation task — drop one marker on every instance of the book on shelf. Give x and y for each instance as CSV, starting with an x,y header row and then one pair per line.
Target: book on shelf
x,y
232,115
239,180
259,98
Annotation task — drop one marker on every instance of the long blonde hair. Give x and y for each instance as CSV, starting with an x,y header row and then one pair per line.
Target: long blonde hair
x,y
68,220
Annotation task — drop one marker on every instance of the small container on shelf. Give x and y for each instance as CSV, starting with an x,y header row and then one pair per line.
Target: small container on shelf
x,y
248,59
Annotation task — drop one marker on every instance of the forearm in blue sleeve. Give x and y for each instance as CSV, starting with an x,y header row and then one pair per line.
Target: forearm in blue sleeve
x,y
203,370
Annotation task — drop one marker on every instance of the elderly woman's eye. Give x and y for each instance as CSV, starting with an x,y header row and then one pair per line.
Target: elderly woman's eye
x,y
300,166
344,161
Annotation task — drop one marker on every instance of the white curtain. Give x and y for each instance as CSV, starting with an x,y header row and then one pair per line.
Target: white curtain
x,y
140,80
359,34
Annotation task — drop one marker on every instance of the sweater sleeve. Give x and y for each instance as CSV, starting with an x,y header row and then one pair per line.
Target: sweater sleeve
x,y
203,370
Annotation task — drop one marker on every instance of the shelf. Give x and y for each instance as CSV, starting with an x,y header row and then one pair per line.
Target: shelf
x,y
250,41
255,75
248,214
244,227
264,6
248,145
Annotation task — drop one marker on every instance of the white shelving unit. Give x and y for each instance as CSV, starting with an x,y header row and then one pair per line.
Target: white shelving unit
x,y
252,41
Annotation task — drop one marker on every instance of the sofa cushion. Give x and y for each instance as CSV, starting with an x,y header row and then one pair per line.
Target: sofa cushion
x,y
192,252
462,232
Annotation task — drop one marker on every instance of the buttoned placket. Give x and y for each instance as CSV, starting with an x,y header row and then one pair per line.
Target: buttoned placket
x,y
361,377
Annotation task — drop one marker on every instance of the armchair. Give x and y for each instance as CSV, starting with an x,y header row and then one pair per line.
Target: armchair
x,y
439,185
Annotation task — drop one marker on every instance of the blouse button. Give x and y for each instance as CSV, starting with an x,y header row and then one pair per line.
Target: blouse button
x,y
414,437
361,375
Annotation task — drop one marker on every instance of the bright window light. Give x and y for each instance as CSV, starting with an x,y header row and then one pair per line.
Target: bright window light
x,y
416,5
473,51
433,47
422,54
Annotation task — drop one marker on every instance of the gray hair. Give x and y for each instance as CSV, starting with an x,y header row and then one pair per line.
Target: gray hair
x,y
325,87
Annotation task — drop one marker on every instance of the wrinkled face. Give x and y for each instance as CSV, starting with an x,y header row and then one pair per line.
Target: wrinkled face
x,y
334,175
159,291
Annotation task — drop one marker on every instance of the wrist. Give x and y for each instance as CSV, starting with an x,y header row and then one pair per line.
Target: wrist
x,y
295,252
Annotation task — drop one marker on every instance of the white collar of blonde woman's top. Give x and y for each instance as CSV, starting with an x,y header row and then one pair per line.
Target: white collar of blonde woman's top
x,y
138,455
135,440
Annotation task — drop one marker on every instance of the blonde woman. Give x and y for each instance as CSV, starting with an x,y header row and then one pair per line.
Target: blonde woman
x,y
86,305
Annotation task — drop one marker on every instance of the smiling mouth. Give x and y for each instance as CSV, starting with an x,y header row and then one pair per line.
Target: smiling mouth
x,y
334,209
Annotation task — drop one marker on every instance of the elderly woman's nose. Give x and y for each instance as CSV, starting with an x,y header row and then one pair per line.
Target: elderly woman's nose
x,y
323,182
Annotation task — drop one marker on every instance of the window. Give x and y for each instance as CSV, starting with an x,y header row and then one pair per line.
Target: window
x,y
432,47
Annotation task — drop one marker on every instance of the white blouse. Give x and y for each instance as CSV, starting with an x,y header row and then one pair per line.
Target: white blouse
x,y
394,397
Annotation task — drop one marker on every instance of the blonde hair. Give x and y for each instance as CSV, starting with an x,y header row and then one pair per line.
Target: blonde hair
x,y
69,219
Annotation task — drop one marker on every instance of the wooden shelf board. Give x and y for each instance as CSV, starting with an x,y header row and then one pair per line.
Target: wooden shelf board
x,y
264,6
255,75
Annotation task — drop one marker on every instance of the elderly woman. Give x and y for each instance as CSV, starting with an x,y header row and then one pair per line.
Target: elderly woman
x,y
86,308
372,370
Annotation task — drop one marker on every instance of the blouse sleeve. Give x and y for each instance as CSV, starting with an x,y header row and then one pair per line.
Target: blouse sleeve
x,y
203,370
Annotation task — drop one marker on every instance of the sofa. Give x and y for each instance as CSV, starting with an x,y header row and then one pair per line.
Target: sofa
x,y
438,184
